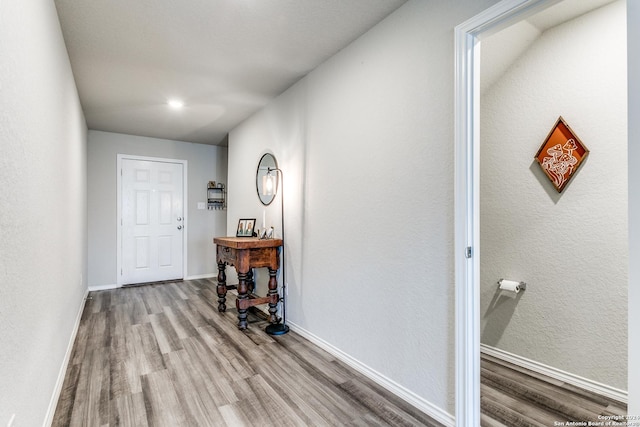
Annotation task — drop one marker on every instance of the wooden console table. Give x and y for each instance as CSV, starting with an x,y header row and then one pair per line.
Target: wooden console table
x,y
246,253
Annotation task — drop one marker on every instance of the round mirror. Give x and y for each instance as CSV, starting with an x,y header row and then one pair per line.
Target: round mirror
x,y
267,163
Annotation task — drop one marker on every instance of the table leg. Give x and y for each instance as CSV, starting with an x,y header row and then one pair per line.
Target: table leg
x,y
243,296
251,284
222,287
273,289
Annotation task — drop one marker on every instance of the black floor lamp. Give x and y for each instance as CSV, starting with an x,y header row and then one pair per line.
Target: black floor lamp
x,y
271,188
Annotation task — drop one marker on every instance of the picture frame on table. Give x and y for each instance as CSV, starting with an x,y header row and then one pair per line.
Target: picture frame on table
x,y
245,227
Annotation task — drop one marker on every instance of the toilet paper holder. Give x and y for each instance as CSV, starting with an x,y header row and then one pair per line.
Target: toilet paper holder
x,y
521,285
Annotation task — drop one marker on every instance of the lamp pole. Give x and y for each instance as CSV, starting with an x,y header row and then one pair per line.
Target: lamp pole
x,y
280,328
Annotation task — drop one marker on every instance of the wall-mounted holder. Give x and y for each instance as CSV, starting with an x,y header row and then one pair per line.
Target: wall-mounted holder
x,y
511,285
216,196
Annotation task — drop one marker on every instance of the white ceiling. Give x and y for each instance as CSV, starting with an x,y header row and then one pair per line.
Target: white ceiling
x,y
225,59
501,49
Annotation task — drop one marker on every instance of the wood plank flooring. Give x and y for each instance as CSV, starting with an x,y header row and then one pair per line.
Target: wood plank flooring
x,y
162,355
513,396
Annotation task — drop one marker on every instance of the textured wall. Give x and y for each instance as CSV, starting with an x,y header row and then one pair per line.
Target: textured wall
x,y
43,209
571,248
366,143
205,163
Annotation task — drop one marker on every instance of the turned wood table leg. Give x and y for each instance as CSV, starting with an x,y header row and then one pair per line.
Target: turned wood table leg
x,y
273,293
251,284
243,296
222,287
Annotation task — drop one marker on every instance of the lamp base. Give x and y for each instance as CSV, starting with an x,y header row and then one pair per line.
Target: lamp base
x,y
277,329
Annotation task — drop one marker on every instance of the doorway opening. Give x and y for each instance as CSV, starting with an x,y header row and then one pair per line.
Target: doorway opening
x,y
468,244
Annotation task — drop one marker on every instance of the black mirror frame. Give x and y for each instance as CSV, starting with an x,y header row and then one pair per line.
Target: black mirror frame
x,y
265,200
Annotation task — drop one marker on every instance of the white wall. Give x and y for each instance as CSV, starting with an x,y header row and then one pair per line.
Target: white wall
x,y
570,248
278,129
366,145
43,210
205,163
42,135
633,59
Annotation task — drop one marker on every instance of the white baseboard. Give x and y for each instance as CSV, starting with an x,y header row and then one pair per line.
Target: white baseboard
x,y
558,374
65,364
116,286
103,287
202,276
408,396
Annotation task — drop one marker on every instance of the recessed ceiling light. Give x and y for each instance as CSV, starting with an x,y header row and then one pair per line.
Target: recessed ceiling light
x,y
176,104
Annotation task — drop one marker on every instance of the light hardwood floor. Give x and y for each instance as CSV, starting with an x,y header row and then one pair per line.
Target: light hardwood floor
x,y
162,355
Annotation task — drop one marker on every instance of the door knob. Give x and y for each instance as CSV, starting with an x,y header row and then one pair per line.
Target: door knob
x,y
179,227
179,218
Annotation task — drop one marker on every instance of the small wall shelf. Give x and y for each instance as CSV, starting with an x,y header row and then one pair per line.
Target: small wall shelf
x,y
216,196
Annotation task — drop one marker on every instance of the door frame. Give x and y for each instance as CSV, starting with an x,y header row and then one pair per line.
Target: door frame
x,y
119,160
467,220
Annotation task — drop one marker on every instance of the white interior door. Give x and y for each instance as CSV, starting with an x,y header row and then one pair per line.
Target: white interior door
x,y
152,221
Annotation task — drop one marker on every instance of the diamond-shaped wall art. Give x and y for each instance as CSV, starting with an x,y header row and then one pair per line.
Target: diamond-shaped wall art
x,y
561,154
